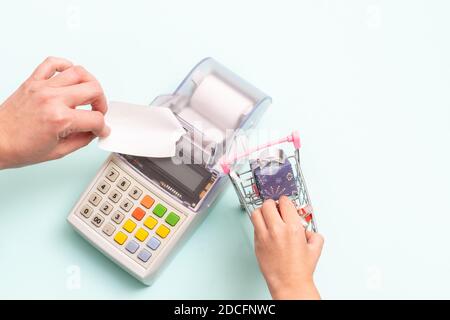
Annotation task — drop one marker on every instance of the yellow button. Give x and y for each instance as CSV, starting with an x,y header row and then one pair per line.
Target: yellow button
x,y
150,222
129,225
120,237
162,231
141,234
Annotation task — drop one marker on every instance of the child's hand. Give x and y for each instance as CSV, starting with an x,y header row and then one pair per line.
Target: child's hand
x,y
287,255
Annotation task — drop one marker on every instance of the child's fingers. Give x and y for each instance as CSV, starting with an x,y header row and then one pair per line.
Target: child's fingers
x,y
315,240
270,213
288,211
258,222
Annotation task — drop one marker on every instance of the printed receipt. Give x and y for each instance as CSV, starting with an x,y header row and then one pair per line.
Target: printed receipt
x,y
141,130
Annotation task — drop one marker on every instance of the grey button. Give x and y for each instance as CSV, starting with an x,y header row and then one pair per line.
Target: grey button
x,y
106,208
135,193
144,255
109,229
126,205
112,174
132,246
86,211
123,183
115,196
97,220
153,243
95,198
103,187
117,217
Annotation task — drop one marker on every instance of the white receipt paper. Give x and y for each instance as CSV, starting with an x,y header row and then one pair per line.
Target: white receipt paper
x,y
141,130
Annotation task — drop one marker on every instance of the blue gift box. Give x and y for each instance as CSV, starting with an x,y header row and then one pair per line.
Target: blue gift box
x,y
274,176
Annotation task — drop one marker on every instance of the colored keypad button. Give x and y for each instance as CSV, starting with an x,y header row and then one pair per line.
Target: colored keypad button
x,y
150,222
162,231
141,234
138,214
147,201
159,210
172,219
144,255
129,225
153,243
120,237
132,246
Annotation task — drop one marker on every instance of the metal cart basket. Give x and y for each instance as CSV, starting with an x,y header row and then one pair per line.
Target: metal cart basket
x,y
246,188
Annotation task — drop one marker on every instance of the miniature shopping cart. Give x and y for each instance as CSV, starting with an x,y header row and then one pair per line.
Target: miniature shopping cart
x,y
252,189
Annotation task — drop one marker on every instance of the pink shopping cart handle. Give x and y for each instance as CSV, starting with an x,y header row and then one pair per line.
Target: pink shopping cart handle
x,y
226,163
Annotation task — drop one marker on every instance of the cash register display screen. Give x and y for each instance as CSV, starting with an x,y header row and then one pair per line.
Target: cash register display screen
x,y
185,181
182,173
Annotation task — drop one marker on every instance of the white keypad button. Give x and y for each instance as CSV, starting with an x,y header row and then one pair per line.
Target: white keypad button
x,y
103,187
97,220
126,205
112,174
115,196
135,193
109,229
95,199
86,211
117,217
106,208
123,183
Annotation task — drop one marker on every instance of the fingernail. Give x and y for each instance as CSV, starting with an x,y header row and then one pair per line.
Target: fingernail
x,y
106,131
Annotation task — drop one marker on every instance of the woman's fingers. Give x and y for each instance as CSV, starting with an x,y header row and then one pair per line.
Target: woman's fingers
x,y
82,94
79,87
89,121
71,76
49,67
72,143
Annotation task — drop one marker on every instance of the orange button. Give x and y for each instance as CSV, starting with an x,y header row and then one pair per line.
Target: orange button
x,y
147,201
138,214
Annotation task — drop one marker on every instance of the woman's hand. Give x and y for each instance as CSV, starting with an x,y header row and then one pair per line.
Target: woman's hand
x,y
40,122
287,254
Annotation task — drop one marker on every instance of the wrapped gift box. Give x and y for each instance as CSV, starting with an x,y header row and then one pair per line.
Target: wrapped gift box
x,y
273,175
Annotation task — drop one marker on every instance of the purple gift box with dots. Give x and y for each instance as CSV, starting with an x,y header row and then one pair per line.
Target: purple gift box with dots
x,y
274,179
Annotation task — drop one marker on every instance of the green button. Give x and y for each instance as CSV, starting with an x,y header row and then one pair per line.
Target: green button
x,y
172,219
159,210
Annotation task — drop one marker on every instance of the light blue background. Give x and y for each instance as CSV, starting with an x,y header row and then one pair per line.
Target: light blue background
x,y
365,81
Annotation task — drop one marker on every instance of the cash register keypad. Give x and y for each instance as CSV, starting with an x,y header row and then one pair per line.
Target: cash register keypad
x,y
129,216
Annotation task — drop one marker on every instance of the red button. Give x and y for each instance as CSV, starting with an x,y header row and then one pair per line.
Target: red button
x,y
138,214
